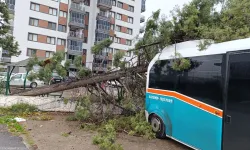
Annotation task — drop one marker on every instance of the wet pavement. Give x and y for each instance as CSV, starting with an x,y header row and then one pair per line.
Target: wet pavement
x,y
9,141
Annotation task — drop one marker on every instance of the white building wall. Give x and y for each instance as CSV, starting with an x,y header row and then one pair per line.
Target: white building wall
x,y
22,27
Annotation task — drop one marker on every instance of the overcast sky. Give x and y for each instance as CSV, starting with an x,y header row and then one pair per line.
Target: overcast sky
x,y
165,5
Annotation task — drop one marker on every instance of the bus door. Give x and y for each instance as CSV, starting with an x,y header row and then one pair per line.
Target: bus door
x,y
236,133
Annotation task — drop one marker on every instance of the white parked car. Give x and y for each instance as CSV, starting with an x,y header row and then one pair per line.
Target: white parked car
x,y
18,80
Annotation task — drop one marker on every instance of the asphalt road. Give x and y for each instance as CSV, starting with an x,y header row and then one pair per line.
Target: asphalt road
x,y
10,142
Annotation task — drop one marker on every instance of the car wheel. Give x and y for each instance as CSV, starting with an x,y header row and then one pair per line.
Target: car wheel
x,y
33,85
158,126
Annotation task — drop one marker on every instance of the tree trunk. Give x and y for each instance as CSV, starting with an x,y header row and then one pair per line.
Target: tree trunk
x,y
81,83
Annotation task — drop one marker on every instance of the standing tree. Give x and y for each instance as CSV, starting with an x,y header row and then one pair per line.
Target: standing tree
x,y
7,41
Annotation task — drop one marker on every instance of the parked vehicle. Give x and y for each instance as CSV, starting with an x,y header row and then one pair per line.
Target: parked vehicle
x,y
206,106
3,76
18,80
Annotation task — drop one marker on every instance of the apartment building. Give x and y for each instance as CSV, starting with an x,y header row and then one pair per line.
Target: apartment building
x,y
43,27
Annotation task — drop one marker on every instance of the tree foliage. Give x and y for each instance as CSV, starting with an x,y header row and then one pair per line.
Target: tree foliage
x,y
7,41
54,65
96,49
199,19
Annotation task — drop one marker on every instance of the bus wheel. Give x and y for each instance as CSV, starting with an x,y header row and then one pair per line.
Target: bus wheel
x,y
157,126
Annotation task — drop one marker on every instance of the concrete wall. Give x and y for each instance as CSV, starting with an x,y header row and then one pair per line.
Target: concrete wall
x,y
43,103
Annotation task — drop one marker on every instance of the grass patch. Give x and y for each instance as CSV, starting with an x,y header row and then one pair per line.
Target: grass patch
x,y
41,116
13,126
71,118
65,134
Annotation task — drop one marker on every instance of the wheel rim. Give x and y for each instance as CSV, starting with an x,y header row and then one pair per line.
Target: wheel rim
x,y
33,85
156,124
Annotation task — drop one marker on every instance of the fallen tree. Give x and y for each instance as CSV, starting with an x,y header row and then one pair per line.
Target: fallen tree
x,y
83,82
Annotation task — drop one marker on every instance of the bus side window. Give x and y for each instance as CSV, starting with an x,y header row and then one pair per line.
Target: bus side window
x,y
162,76
203,80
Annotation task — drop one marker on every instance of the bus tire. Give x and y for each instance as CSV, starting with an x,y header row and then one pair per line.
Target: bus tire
x,y
158,126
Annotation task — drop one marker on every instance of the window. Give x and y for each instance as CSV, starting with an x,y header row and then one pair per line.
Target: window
x,y
62,28
117,40
118,16
118,28
87,2
33,22
128,42
52,26
32,37
112,27
31,52
35,6
129,31
238,84
204,76
120,4
128,53
111,38
53,11
49,54
50,40
130,20
63,14
114,2
131,8
101,36
18,76
61,42
112,14
85,40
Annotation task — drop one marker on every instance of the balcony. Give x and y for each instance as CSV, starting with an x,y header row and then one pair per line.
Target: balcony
x,y
102,29
74,50
77,7
100,67
104,17
142,29
6,59
104,4
76,22
11,8
102,56
143,6
71,63
76,35
142,19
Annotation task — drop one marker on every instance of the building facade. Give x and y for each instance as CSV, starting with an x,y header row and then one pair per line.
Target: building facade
x,y
43,27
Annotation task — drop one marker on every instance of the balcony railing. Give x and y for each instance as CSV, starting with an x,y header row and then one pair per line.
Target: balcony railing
x,y
103,55
77,22
75,48
6,59
142,29
11,7
78,35
77,7
105,4
105,17
102,28
142,19
100,67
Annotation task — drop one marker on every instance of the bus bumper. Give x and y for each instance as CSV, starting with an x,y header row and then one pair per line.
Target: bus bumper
x,y
146,115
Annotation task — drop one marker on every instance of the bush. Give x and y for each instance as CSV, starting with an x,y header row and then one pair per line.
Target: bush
x,y
23,108
106,138
134,125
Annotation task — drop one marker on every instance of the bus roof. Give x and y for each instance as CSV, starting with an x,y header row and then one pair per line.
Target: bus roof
x,y
190,49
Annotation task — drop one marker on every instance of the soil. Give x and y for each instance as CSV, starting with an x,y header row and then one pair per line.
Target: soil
x,y
47,135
